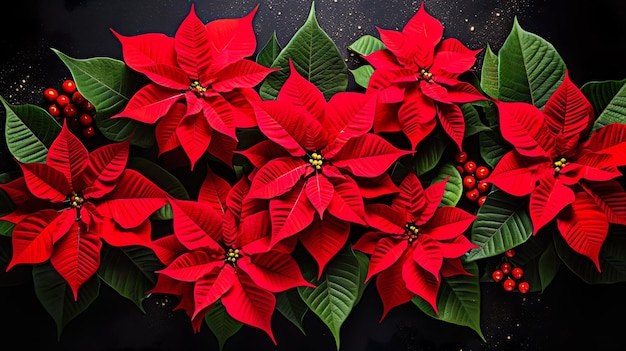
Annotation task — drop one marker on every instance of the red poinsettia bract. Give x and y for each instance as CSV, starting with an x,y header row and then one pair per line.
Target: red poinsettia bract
x,y
201,84
416,77
312,164
568,177
68,204
222,252
415,243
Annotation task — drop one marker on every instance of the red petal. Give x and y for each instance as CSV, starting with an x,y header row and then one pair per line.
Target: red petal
x,y
349,115
193,266
222,147
428,255
105,166
150,103
423,29
194,134
119,237
211,287
392,288
517,174
287,125
273,271
368,241
77,256
220,115
406,51
417,116
523,125
300,92
278,177
197,224
319,191
449,222
610,139
165,130
291,213
387,252
585,227
610,196
262,152
68,155
385,218
232,38
453,58
214,191
46,182
347,202
250,304
421,283
547,200
241,74
33,238
255,233
453,122
193,47
324,238
369,155
422,205
568,111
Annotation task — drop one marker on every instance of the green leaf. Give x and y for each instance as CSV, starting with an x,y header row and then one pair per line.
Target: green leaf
x,y
163,179
269,52
612,258
429,152
290,305
57,298
489,73
458,301
222,325
492,147
364,263
109,84
315,57
129,271
454,187
362,75
503,222
336,292
530,69
473,122
6,228
366,45
608,99
29,131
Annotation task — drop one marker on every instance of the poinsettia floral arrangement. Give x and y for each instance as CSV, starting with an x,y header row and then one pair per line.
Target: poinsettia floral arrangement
x,y
248,180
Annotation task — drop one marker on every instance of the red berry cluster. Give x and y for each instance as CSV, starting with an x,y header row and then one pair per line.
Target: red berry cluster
x,y
474,176
512,274
70,104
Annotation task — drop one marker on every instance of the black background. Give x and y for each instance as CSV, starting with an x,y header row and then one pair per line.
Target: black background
x,y
570,314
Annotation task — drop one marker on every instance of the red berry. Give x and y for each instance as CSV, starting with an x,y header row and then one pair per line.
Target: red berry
x,y
460,157
85,119
509,253
470,167
54,110
505,267
483,186
460,169
472,194
481,200
523,287
78,98
50,94
70,111
497,275
509,285
482,172
89,132
469,182
68,86
517,273
63,100
88,106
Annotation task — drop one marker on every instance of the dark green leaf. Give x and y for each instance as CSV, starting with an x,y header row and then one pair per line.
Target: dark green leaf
x,y
315,57
492,147
454,187
489,73
458,300
473,123
57,298
503,223
269,52
609,101
290,305
429,152
366,45
29,132
362,75
129,271
222,325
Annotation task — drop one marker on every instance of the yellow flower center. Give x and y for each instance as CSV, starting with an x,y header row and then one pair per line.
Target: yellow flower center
x,y
558,164
316,160
412,232
424,74
232,255
75,200
195,86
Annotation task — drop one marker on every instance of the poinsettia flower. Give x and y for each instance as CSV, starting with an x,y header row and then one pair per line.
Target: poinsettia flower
x,y
415,243
69,204
204,67
311,163
224,254
416,77
569,177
